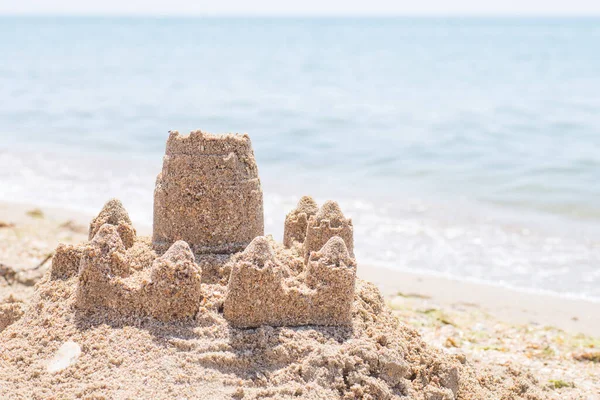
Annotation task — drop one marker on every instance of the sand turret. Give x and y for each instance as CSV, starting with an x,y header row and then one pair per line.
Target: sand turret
x,y
208,194
65,262
174,290
113,213
322,295
67,258
296,222
104,259
328,222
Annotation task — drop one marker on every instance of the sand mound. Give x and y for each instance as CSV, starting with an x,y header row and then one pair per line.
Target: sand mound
x,y
157,330
205,357
124,316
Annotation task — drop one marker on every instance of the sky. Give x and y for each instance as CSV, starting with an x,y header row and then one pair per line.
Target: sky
x,y
302,7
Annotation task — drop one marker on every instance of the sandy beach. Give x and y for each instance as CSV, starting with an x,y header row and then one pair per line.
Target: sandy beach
x,y
398,202
554,339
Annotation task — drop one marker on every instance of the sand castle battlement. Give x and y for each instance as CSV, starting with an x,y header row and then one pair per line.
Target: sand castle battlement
x,y
310,227
208,194
197,142
208,210
170,288
321,295
129,279
328,222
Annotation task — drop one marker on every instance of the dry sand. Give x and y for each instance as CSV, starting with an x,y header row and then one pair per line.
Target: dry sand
x,y
437,350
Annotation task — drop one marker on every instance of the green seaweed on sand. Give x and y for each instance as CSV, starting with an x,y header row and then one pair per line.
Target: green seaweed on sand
x,y
35,213
559,384
438,315
413,295
593,356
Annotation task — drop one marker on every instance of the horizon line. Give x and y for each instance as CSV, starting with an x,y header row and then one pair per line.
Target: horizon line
x,y
304,15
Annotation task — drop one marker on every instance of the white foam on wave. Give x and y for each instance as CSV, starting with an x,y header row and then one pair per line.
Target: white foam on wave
x,y
471,245
81,183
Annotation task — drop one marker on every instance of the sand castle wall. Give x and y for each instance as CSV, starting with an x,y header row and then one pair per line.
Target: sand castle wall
x,y
263,291
118,271
169,289
328,222
65,262
208,194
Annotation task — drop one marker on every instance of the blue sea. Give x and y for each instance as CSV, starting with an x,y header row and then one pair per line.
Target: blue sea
x,y
461,147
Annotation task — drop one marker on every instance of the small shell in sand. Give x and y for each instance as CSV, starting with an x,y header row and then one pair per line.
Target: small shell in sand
x,y
66,356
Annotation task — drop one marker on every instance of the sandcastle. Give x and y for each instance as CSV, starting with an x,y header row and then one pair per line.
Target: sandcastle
x,y
164,316
208,206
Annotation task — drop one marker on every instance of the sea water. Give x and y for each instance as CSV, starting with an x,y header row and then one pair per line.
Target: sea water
x,y
462,147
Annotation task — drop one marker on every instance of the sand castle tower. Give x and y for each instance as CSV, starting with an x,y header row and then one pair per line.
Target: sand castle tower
x,y
328,222
208,194
296,222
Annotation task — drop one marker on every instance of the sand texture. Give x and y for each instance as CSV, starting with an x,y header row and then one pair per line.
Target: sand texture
x,y
296,222
328,222
205,357
209,308
146,326
264,290
208,194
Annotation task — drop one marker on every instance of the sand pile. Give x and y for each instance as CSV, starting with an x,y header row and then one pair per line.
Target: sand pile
x,y
188,315
205,357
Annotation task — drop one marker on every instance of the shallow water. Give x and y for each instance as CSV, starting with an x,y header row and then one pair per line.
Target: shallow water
x,y
462,147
